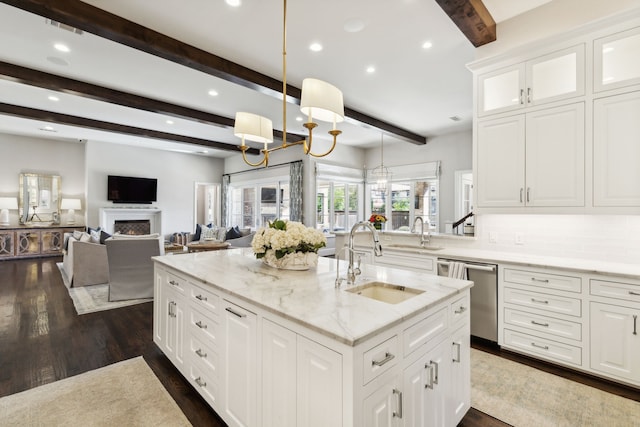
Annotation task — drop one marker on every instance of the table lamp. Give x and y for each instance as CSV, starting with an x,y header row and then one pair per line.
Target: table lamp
x,y
7,203
71,205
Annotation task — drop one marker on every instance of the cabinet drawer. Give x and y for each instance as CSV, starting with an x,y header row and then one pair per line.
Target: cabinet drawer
x,y
203,327
546,302
177,283
380,358
205,299
543,280
549,325
459,310
205,385
549,349
415,263
420,333
619,290
204,355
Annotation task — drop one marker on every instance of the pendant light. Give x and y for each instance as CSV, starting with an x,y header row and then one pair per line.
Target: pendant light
x,y
380,174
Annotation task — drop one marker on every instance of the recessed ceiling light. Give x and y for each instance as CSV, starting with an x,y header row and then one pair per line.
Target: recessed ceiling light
x,y
234,3
353,25
213,92
316,47
53,98
427,45
169,122
371,69
48,128
61,47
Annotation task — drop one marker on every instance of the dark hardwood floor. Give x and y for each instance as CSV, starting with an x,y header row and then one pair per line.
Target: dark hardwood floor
x,y
42,340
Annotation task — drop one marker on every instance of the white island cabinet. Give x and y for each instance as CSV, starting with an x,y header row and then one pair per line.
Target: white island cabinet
x,y
267,347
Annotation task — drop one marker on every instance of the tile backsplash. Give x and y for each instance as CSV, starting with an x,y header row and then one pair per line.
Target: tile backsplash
x,y
614,238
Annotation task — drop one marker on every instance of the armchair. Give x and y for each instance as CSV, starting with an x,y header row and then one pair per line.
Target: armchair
x,y
130,267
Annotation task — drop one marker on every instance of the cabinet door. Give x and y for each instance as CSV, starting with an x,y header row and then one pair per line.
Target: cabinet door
x,y
160,307
615,343
174,327
28,243
425,385
500,151
278,376
459,387
382,407
240,361
51,241
616,132
6,244
556,76
501,90
555,156
319,384
617,60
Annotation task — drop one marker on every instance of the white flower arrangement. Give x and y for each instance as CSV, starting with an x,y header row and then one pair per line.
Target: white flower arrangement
x,y
286,237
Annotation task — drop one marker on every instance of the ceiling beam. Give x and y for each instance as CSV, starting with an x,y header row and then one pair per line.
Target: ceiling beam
x,y
112,27
66,119
473,19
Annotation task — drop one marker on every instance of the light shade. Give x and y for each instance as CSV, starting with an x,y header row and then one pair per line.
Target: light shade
x,y
71,204
8,203
321,100
253,127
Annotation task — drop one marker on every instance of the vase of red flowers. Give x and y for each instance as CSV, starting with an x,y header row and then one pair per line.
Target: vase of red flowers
x,y
378,221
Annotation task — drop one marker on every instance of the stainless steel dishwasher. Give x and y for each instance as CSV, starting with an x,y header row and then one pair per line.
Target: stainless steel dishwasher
x,y
484,295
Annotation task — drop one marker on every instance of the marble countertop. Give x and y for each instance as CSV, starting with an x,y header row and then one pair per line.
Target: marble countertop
x,y
570,264
310,298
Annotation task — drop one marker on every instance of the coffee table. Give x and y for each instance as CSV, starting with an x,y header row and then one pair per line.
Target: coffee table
x,y
207,246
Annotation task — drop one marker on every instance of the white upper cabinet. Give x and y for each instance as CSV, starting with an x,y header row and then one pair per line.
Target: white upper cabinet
x,y
549,78
617,60
616,150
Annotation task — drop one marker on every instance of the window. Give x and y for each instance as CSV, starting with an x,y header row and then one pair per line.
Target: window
x,y
253,206
409,200
337,205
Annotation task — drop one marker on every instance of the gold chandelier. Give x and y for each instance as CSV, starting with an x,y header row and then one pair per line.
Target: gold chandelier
x,y
319,100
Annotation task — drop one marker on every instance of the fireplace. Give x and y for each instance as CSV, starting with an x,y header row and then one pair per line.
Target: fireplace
x,y
132,226
134,217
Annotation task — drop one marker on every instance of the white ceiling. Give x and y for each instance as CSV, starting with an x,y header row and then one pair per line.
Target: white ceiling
x,y
414,88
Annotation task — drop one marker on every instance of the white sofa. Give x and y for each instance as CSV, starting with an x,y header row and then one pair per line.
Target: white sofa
x,y
85,263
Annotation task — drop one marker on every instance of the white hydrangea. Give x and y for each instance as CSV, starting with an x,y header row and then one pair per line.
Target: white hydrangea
x,y
296,234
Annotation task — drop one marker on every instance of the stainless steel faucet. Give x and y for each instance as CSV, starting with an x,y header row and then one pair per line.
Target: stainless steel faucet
x,y
351,271
423,240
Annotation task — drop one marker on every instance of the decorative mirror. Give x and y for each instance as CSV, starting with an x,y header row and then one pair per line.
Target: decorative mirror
x,y
39,199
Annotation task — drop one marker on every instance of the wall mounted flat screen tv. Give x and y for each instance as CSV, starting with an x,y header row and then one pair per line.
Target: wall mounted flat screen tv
x,y
128,189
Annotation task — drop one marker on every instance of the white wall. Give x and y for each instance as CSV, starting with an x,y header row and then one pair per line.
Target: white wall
x,y
454,151
21,154
176,174
555,17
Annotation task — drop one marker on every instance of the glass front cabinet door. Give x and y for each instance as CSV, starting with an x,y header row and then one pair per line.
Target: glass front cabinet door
x,y
7,247
28,243
617,60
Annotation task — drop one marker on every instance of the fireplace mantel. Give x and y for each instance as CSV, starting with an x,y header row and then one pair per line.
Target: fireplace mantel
x,y
108,217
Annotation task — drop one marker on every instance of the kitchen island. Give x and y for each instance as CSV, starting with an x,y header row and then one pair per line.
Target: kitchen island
x,y
284,348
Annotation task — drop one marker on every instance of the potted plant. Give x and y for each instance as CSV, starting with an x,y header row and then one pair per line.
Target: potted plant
x,y
377,220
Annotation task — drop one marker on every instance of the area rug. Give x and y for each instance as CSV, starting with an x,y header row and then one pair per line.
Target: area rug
x,y
123,394
89,299
523,396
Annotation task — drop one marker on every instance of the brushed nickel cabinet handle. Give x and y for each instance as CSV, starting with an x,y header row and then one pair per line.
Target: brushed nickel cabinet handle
x,y
544,347
521,96
435,376
458,347
539,301
535,279
201,298
521,192
528,193
635,324
235,313
200,353
429,366
546,325
398,413
634,293
460,310
174,283
201,325
200,382
529,95
387,358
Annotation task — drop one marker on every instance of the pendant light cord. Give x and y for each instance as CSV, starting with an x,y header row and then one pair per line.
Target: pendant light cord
x,y
284,73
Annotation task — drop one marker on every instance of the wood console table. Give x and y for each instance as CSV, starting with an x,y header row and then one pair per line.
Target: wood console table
x,y
207,246
29,241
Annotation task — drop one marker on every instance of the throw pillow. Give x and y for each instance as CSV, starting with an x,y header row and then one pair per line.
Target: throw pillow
x,y
77,234
103,236
199,227
86,237
95,235
233,233
209,233
222,234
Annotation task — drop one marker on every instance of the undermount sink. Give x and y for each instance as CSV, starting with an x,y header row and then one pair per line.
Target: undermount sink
x,y
416,247
385,292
